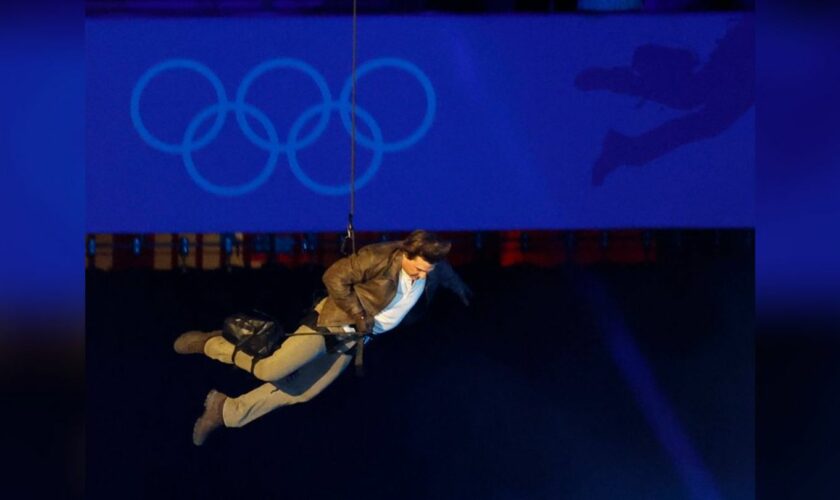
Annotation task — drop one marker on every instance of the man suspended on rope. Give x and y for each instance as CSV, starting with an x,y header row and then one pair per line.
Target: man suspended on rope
x,y
370,291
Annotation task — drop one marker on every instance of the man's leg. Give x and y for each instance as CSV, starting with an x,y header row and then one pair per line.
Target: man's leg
x,y
300,388
192,342
290,356
307,383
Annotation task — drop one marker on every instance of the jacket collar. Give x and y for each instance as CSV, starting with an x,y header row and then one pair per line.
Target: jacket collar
x,y
396,264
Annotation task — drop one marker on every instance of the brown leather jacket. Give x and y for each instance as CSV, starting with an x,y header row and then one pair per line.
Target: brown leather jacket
x,y
367,281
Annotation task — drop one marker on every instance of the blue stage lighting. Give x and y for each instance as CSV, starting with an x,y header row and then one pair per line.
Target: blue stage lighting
x,y
137,245
184,246
309,242
227,244
284,244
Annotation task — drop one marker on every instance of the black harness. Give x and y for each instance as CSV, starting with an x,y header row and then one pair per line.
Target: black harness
x,y
258,335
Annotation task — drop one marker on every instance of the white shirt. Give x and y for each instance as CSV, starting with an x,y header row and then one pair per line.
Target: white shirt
x,y
408,293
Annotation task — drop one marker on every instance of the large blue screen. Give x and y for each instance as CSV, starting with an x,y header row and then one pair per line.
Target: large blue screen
x,y
462,123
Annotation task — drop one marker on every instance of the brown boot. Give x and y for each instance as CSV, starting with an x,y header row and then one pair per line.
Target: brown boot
x,y
192,342
211,418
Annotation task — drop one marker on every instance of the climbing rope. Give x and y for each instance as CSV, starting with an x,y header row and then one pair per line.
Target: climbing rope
x,y
351,233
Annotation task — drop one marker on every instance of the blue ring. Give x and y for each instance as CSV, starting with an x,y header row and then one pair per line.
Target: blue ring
x,y
273,145
266,66
155,70
431,102
326,189
240,189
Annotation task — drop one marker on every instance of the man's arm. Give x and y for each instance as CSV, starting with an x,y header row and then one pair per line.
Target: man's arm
x,y
450,279
339,280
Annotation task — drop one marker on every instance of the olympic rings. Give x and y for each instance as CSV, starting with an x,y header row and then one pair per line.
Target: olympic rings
x,y
291,153
272,145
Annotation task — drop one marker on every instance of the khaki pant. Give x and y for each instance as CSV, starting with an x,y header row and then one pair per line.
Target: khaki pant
x,y
295,373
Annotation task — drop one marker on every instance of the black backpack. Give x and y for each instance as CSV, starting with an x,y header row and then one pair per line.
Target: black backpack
x,y
256,334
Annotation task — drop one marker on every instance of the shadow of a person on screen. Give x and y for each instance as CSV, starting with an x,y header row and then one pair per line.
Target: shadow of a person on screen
x,y
714,95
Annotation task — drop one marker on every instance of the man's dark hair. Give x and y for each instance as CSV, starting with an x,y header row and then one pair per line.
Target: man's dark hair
x,y
427,245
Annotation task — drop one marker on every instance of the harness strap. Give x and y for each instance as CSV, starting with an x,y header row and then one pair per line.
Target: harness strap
x,y
360,357
334,339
